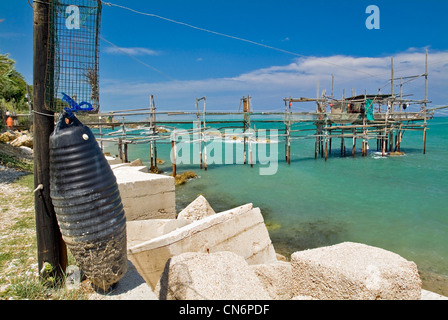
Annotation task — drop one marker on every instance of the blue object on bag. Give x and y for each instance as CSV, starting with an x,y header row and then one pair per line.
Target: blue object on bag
x,y
74,106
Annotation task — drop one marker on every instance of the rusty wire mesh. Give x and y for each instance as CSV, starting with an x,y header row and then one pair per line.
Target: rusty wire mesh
x,y
73,54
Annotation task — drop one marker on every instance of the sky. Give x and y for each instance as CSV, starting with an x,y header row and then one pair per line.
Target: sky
x,y
285,48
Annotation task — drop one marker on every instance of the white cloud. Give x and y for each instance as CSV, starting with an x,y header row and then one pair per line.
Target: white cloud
x,y
132,51
268,86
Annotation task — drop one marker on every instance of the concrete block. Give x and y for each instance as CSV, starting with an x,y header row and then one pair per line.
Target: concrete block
x,y
144,195
143,169
215,276
140,231
198,209
240,230
112,160
356,272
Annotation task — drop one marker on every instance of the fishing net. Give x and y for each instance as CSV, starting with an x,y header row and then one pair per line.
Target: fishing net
x,y
72,78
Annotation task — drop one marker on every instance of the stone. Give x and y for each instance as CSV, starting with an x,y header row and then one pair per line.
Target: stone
x,y
23,140
7,137
355,272
73,277
302,298
240,230
396,154
184,177
26,151
276,279
215,276
198,209
136,163
280,257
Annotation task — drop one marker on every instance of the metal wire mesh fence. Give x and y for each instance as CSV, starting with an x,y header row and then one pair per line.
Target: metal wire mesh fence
x,y
72,77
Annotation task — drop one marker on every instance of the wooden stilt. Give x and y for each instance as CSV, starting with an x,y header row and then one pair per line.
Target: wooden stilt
x,y
205,152
155,155
289,152
120,149
391,141
173,149
424,140
125,153
354,144
151,156
250,154
331,132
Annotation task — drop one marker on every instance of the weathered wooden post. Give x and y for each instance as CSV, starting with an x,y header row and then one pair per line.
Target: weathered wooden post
x,y
51,248
426,102
174,152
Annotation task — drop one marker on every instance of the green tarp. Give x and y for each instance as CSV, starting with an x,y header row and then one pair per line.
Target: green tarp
x,y
369,110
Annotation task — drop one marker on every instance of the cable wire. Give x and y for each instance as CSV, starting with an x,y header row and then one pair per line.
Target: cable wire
x,y
232,37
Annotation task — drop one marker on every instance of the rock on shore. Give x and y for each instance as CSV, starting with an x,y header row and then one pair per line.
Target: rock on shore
x,y
354,271
17,139
215,276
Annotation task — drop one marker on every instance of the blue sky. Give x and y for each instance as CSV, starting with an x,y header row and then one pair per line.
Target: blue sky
x,y
330,37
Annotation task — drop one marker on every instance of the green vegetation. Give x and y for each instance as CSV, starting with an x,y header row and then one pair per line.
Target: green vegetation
x,y
19,274
13,87
11,162
181,179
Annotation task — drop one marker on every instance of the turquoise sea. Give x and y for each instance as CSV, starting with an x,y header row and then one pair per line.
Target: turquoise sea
x,y
395,203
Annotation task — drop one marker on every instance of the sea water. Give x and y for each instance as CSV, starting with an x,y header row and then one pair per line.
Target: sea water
x,y
396,203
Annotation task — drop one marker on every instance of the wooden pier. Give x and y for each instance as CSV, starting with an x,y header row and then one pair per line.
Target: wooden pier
x,y
383,118
333,121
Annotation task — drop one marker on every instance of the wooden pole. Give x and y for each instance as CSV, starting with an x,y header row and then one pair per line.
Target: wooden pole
x,y
198,126
154,133
331,132
51,247
151,128
354,146
424,140
173,150
391,141
120,149
426,101
250,154
151,155
204,136
289,132
126,159
392,83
